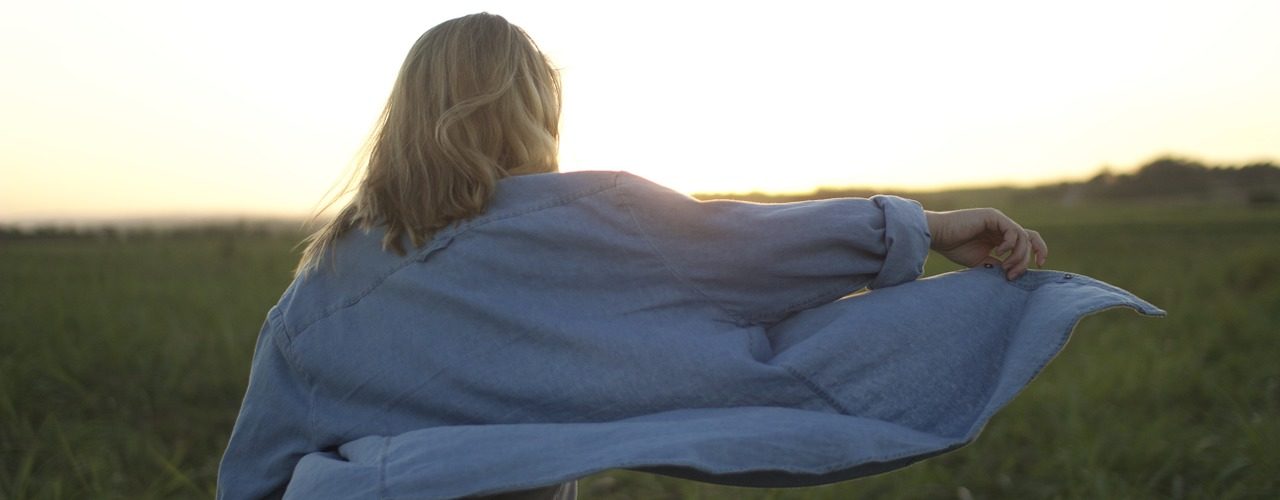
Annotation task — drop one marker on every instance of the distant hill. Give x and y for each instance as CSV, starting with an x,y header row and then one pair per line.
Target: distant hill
x,y
1179,179
1165,178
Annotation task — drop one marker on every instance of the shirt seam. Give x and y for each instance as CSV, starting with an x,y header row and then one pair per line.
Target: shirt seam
x,y
285,345
819,391
625,200
830,295
444,238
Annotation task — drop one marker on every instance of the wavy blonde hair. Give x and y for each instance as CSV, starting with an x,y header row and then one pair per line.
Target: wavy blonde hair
x,y
475,101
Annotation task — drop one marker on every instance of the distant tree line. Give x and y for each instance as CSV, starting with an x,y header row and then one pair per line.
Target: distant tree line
x,y
1165,178
142,230
1175,178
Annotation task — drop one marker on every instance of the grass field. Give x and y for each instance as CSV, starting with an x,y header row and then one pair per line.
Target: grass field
x,y
123,361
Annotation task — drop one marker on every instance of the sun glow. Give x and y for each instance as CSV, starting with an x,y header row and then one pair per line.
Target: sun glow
x,y
135,108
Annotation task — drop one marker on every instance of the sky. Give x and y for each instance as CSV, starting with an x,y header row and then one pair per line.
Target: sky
x,y
158,108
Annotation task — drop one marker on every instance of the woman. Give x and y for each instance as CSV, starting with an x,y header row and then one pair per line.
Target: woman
x,y
474,323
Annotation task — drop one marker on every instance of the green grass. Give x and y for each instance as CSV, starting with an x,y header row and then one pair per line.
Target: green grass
x,y
123,361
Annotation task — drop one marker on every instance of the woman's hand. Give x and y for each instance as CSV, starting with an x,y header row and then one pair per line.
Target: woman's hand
x,y
973,236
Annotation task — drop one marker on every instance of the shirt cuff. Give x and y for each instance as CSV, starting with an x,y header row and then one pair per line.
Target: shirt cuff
x,y
906,240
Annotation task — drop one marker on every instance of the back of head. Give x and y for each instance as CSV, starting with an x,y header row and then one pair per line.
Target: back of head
x,y
475,101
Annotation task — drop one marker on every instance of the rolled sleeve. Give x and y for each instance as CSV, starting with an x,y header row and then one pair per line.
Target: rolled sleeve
x,y
906,240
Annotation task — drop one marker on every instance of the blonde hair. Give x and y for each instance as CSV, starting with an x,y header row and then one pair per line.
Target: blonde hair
x,y
475,101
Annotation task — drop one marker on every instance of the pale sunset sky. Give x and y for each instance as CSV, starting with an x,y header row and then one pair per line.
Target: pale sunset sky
x,y
160,108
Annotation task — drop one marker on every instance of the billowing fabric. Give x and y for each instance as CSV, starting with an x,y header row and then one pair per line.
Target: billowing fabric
x,y
595,320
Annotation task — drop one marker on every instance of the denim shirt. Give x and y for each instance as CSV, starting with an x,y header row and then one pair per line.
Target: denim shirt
x,y
596,320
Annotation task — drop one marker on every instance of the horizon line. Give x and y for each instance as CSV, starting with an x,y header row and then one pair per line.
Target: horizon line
x,y
161,218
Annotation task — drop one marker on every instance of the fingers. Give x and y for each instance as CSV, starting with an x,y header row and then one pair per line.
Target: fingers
x,y
1016,263
1022,246
1010,231
1029,247
1040,248
1015,248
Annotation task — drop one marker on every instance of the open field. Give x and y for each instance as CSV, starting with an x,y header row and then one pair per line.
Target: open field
x,y
122,364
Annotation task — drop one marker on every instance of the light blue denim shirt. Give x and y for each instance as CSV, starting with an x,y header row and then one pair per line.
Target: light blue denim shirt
x,y
595,320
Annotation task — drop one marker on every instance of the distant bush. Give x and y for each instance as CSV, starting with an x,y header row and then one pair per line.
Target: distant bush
x,y
1169,177
1263,197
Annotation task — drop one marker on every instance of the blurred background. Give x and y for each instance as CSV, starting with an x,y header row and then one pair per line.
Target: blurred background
x,y
142,109
146,146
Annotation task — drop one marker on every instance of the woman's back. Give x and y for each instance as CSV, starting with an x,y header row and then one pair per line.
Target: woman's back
x,y
559,305
472,322
551,307
595,320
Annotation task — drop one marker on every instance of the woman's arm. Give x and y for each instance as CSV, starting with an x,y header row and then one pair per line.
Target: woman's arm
x,y
270,435
761,262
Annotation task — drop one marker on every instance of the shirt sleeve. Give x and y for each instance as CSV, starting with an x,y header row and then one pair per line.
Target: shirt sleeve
x,y
270,433
760,261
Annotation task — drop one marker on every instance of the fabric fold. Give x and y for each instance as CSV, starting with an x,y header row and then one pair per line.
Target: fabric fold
x,y
911,393
596,320
906,240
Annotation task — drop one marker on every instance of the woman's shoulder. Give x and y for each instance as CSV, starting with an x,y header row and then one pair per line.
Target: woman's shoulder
x,y
540,189
348,271
358,263
527,191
